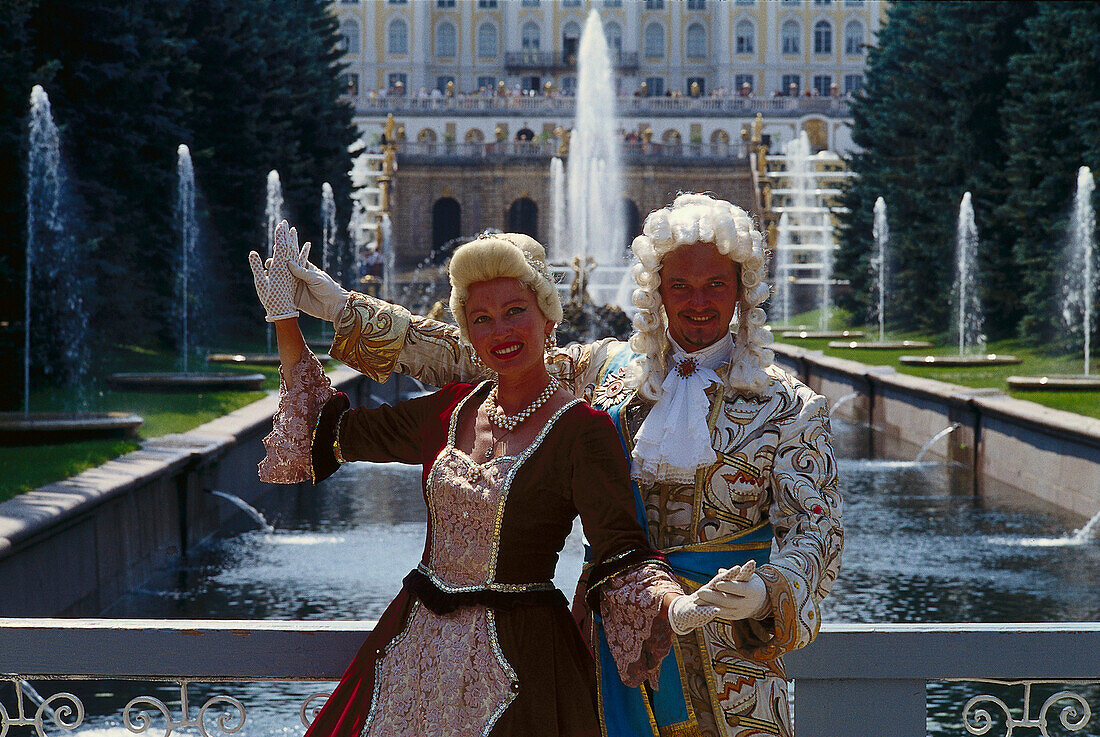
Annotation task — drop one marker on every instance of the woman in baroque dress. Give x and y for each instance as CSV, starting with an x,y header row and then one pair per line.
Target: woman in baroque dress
x,y
479,641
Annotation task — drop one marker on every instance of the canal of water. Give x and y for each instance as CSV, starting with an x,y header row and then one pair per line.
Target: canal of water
x,y
920,547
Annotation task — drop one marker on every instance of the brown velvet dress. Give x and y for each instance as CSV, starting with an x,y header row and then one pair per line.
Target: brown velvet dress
x,y
479,642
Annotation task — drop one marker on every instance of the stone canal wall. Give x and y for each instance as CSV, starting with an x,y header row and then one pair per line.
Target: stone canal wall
x,y
1010,443
73,547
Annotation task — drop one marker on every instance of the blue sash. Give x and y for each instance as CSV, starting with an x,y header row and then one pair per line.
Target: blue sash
x,y
632,712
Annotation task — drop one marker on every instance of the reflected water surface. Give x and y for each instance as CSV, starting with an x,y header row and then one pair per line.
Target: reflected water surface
x,y
920,547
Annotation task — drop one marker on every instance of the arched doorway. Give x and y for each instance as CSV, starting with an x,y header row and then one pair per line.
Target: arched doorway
x,y
523,217
446,226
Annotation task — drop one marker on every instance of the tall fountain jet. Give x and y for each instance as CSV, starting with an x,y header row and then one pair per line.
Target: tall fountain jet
x,y
53,262
273,214
881,233
1080,282
783,270
328,227
188,228
969,318
595,188
558,245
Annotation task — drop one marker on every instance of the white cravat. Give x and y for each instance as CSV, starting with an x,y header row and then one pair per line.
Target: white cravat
x,y
674,439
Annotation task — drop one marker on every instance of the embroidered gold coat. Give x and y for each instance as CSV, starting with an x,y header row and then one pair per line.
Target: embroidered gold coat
x,y
775,465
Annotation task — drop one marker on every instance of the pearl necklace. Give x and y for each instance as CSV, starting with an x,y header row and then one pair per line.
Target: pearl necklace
x,y
509,422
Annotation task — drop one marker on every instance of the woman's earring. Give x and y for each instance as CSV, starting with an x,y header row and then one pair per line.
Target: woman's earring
x,y
551,343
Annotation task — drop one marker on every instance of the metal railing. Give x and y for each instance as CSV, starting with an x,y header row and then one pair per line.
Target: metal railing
x,y
854,680
549,148
465,105
556,60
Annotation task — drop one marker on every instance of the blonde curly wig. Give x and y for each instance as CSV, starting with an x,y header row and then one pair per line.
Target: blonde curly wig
x,y
501,255
694,218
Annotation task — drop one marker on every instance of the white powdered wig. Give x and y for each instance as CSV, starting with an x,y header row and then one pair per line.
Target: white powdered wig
x,y
695,218
498,255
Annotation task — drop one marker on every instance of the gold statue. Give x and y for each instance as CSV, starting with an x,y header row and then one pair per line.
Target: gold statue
x,y
499,133
767,192
578,290
758,129
389,129
436,312
563,140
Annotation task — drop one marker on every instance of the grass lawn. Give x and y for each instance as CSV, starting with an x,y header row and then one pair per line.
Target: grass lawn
x,y
1035,362
28,467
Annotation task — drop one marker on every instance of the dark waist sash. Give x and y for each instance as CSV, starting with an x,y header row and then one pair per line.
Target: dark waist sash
x,y
443,602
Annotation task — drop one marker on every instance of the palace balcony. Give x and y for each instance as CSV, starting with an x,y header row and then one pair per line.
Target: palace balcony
x,y
636,152
856,680
628,107
556,61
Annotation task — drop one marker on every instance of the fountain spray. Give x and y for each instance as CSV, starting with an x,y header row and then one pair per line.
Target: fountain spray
x,y
185,213
595,173
273,212
557,209
881,232
52,258
1080,282
970,320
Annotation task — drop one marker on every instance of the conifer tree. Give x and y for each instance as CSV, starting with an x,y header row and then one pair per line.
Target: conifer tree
x,y
931,130
1052,116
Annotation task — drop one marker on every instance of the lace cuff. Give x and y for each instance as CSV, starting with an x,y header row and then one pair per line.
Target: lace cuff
x,y
638,633
288,444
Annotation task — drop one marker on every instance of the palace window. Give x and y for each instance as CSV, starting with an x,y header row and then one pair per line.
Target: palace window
x,y
614,36
697,4
612,3
397,38
486,3
487,40
823,37
790,37
853,83
397,82
740,80
745,37
701,81
489,84
823,84
351,84
853,38
446,41
696,41
792,84
349,32
654,86
654,40
531,37
444,3
654,4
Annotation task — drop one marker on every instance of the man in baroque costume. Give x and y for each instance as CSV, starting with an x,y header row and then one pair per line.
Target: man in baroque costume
x,y
730,456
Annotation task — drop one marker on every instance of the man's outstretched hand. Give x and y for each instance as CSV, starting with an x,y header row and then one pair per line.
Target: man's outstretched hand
x,y
315,292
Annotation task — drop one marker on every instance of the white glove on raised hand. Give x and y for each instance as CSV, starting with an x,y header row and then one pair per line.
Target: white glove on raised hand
x,y
274,284
315,292
738,592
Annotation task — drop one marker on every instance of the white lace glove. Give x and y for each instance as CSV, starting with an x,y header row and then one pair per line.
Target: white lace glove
x,y
315,292
738,592
274,284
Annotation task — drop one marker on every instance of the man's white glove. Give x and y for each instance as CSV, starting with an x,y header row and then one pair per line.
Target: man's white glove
x,y
739,592
315,292
274,284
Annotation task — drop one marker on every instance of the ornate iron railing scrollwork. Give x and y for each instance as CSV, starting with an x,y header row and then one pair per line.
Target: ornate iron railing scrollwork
x,y
306,713
64,709
225,721
1073,716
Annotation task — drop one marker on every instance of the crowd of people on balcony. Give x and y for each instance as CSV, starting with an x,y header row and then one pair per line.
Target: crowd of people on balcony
x,y
550,91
